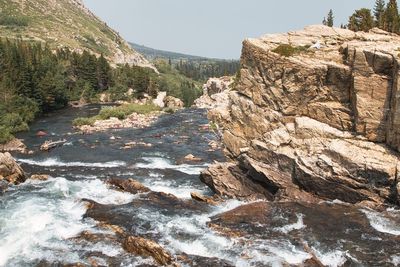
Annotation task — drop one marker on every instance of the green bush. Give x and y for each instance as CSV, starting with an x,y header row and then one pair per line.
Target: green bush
x,y
169,110
84,121
288,50
5,135
13,122
13,21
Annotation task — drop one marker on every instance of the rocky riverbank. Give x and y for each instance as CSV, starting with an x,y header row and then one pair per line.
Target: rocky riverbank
x,y
308,123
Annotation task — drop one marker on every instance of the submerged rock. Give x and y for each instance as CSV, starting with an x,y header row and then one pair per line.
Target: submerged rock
x,y
10,171
316,122
40,177
128,185
199,197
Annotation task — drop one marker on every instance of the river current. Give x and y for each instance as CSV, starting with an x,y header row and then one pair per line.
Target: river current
x,y
40,220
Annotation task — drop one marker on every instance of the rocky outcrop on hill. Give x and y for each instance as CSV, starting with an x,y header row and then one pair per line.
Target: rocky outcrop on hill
x,y
308,122
10,171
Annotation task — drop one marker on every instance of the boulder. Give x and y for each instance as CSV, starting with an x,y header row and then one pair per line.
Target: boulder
x,y
128,185
147,248
10,171
40,177
159,101
199,197
317,123
15,145
173,102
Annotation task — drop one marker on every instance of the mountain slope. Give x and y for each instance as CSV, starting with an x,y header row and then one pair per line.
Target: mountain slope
x,y
151,53
65,23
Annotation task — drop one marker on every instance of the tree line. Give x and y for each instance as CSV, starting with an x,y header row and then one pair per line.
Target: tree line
x,y
384,16
202,70
35,80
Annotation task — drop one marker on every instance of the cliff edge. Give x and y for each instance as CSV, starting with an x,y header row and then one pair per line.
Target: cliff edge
x,y
315,114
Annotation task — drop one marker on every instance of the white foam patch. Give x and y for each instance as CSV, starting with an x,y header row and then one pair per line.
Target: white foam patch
x,y
162,163
295,226
395,260
54,162
381,223
38,225
169,187
334,258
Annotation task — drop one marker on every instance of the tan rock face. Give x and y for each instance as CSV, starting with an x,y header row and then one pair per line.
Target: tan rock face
x,y
322,122
10,171
148,248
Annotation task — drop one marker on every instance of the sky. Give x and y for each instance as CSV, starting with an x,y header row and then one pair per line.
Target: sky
x,y
214,28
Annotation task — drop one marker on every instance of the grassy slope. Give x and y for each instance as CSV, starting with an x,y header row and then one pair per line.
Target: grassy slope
x,y
65,23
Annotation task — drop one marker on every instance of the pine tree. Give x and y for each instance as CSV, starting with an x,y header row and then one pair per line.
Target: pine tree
x,y
392,19
361,20
379,12
103,73
330,19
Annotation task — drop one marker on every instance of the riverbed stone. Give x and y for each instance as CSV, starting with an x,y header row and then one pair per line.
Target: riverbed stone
x,y
148,248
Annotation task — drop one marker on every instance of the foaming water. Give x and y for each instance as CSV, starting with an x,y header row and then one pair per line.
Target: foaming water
x,y
381,223
35,224
54,162
295,226
162,163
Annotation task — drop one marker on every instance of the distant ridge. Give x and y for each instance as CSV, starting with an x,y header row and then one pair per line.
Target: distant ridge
x,y
151,54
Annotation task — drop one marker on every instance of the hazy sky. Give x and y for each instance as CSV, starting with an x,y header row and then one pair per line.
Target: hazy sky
x,y
214,28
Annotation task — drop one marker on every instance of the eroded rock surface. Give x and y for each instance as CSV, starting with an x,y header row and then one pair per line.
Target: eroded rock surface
x,y
10,171
321,122
215,93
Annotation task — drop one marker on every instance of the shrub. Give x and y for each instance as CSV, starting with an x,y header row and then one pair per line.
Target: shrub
x,y
5,135
169,110
288,50
13,123
84,121
13,21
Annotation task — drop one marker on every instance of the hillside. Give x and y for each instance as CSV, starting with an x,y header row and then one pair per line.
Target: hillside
x,y
152,54
65,23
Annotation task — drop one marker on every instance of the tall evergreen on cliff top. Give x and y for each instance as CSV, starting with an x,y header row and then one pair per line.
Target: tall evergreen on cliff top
x,y
361,20
379,13
392,19
329,20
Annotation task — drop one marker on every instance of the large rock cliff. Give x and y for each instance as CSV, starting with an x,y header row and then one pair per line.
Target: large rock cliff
x,y
315,114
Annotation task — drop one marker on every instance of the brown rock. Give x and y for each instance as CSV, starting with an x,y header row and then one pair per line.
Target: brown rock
x,y
40,177
226,179
191,157
41,133
147,248
10,170
15,145
128,185
173,102
202,198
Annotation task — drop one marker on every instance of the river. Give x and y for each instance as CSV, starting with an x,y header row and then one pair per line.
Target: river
x,y
41,220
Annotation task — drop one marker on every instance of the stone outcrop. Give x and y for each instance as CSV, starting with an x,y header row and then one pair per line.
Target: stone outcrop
x,y
10,171
315,123
215,93
15,145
